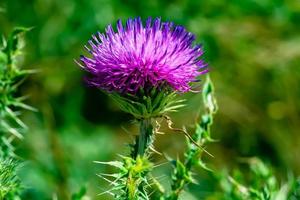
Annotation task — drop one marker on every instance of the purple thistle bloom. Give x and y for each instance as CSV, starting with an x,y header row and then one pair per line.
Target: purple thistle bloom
x,y
138,56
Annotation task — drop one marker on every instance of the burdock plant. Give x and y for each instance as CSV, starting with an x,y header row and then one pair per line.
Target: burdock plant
x,y
144,67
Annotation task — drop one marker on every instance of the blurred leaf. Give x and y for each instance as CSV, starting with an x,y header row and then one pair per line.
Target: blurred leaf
x,y
208,96
9,182
80,194
15,41
3,61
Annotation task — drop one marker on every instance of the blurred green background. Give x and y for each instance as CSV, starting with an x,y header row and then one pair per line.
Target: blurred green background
x,y
252,47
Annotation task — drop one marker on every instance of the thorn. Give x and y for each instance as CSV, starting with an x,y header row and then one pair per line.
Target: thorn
x,y
158,165
107,192
155,151
79,64
106,179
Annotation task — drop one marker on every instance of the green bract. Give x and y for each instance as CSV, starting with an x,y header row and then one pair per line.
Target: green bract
x,y
148,104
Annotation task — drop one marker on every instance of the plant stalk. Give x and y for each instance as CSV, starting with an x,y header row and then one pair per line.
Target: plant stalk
x,y
145,138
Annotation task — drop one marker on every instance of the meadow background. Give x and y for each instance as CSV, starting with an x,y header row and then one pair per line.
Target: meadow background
x,y
253,50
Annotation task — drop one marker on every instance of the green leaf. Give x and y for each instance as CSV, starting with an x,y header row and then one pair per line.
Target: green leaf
x,y
14,116
11,130
79,195
15,43
3,61
24,106
15,40
204,166
181,170
295,189
208,96
116,164
10,184
3,43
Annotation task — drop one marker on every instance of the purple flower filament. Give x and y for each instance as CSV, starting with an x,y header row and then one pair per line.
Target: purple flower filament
x,y
138,56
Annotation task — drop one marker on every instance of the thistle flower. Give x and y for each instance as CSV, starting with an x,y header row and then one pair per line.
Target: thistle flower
x,y
156,55
143,67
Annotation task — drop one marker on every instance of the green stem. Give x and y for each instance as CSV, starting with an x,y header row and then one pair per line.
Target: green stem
x,y
145,138
139,166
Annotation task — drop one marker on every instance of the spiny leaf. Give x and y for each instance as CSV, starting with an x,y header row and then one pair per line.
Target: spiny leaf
x,y
14,42
204,166
10,183
14,116
182,174
24,106
117,164
208,96
11,129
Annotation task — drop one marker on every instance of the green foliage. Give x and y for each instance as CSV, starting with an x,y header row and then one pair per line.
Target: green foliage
x,y
154,103
182,174
10,184
252,48
79,195
260,183
294,193
131,180
11,76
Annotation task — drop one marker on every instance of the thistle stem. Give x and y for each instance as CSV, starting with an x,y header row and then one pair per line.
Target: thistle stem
x,y
145,138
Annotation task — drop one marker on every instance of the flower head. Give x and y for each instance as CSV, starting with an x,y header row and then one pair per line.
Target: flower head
x,y
156,54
